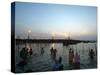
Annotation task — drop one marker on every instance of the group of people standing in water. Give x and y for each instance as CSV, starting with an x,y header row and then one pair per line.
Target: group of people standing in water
x,y
53,53
74,60
74,57
57,62
25,53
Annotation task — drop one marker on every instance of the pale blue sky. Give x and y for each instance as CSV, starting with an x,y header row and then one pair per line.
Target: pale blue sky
x,y
44,19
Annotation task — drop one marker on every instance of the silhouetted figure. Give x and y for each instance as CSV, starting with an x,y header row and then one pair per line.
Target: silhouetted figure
x,y
71,56
24,56
24,53
42,51
91,54
70,59
76,61
51,51
58,65
55,66
54,53
30,52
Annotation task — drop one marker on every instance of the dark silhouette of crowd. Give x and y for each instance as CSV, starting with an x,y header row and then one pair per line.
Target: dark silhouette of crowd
x,y
74,58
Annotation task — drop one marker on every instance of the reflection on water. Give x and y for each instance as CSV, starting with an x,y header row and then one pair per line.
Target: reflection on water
x,y
37,63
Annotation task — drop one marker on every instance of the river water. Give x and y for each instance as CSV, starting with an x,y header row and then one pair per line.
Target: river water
x,y
38,63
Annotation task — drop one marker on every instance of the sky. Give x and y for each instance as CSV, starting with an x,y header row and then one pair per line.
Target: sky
x,y
40,20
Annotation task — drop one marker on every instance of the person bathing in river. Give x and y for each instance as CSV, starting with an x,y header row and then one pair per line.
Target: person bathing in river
x,y
51,51
91,54
76,61
42,51
24,53
30,51
54,53
24,56
71,56
58,65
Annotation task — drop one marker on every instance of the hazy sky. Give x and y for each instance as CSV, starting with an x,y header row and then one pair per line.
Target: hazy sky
x,y
45,20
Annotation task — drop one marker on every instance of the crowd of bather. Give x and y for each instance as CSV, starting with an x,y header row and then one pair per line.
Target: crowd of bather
x,y
74,58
